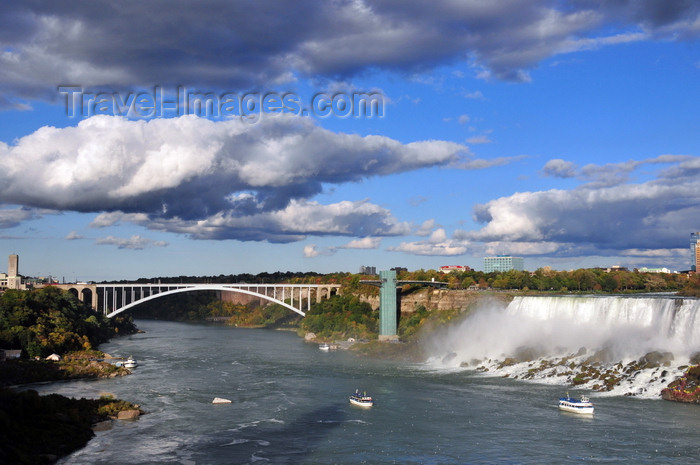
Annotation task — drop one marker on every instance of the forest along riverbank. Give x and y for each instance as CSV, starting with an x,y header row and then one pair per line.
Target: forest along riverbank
x,y
39,325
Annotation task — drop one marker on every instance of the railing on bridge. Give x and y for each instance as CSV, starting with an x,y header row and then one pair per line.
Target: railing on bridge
x,y
112,299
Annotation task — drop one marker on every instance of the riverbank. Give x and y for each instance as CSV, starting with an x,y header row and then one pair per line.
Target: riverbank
x,y
41,429
74,365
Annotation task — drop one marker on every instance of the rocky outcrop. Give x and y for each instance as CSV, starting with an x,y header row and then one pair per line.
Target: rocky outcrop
x,y
685,389
131,414
597,372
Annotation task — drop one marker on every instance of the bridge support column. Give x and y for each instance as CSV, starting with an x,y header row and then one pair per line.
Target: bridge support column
x,y
387,306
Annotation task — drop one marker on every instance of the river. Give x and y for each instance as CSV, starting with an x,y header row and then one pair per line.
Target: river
x,y
289,406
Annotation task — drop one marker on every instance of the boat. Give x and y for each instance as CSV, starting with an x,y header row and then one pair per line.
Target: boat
x,y
582,405
361,399
220,400
324,347
130,363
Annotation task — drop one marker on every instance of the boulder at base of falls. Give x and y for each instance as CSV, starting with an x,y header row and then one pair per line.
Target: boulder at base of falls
x,y
685,389
656,359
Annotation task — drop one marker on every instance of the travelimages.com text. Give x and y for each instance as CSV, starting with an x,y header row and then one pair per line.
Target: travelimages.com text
x,y
249,106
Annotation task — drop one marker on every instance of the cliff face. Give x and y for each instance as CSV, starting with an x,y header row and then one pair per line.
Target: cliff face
x,y
437,299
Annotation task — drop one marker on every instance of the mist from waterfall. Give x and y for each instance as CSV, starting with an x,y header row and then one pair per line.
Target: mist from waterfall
x,y
612,330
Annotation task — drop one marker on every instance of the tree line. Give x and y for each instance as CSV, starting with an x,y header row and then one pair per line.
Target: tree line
x,y
579,280
49,320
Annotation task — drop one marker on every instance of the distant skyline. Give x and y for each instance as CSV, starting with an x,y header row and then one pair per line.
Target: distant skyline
x,y
217,137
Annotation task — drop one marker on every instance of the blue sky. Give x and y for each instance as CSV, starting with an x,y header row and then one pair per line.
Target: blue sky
x,y
565,132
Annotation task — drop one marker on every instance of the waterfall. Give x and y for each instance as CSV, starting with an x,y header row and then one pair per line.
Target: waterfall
x,y
630,325
530,332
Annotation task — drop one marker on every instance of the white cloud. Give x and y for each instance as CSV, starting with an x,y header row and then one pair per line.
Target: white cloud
x,y
364,243
210,178
293,223
134,242
426,228
649,215
428,248
74,235
438,244
310,251
559,168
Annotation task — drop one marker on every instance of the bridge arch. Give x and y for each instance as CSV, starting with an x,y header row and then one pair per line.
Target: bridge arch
x,y
211,287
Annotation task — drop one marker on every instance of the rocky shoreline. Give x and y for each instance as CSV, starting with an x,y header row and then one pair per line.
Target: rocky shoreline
x,y
653,375
686,389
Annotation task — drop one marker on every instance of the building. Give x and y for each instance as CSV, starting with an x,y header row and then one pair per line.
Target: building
x,y
451,268
644,269
697,257
368,270
13,266
694,242
503,263
12,280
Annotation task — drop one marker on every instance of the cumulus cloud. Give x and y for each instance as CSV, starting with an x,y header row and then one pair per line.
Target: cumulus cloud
x,y
437,244
134,242
644,216
426,229
74,235
209,43
293,223
364,243
213,180
310,251
559,168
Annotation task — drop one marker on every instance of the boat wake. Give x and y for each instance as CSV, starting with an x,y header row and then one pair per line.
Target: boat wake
x,y
614,345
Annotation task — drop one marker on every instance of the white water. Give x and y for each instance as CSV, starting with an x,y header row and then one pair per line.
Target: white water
x,y
542,331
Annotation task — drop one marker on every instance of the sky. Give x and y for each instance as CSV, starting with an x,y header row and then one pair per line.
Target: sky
x,y
168,138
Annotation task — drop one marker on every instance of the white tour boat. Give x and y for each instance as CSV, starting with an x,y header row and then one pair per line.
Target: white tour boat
x,y
130,363
361,399
582,405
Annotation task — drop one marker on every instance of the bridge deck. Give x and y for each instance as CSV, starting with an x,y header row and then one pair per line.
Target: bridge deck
x,y
114,298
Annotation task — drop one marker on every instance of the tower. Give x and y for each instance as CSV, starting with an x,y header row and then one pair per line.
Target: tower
x,y
387,306
694,241
13,266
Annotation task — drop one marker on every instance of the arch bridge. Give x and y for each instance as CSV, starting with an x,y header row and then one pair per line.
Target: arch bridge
x,y
113,299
